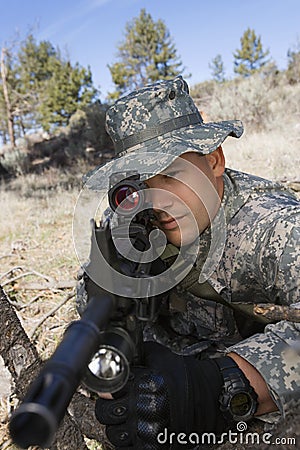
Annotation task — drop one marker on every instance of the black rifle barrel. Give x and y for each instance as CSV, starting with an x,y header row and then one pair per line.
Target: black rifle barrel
x,y
36,421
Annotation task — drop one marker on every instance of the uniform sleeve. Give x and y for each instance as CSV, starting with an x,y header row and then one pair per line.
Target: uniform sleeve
x,y
276,352
279,260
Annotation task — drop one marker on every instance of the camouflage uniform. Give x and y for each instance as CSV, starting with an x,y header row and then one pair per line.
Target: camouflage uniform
x,y
259,265
260,260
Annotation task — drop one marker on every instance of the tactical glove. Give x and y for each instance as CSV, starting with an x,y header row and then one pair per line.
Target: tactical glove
x,y
171,394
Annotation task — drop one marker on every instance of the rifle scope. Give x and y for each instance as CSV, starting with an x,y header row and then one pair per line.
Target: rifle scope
x,y
127,196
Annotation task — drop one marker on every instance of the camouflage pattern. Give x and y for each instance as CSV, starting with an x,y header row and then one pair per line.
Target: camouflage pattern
x,y
260,261
260,264
137,125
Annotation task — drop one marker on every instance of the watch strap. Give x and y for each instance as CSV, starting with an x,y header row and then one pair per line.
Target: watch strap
x,y
235,382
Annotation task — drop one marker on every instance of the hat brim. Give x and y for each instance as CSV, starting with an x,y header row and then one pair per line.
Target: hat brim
x,y
153,156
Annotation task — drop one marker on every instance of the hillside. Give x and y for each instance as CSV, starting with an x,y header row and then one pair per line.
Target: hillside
x,y
270,110
269,107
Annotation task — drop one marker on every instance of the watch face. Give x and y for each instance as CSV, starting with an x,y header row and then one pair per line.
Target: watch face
x,y
240,404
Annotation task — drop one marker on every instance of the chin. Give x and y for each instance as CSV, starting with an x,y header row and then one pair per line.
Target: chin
x,y
188,240
182,240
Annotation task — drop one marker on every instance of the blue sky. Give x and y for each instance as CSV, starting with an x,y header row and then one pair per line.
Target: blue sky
x,y
90,30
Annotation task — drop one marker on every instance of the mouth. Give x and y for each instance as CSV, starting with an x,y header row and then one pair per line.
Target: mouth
x,y
170,223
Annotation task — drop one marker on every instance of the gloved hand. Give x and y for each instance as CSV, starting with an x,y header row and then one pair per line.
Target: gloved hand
x,y
171,394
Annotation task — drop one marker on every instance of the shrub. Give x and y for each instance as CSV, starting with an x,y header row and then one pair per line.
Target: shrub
x,y
247,99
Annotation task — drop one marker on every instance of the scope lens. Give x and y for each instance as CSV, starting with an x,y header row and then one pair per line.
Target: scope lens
x,y
106,364
126,197
108,370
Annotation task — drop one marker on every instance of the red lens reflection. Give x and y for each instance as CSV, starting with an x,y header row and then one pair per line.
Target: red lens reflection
x,y
126,197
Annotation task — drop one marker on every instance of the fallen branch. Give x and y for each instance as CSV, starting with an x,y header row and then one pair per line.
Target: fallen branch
x,y
68,284
13,269
51,313
26,274
33,300
277,312
9,255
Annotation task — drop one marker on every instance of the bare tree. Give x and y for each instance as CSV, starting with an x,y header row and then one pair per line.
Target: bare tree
x,y
9,111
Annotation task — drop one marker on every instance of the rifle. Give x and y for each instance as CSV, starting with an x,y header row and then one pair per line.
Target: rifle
x,y
99,348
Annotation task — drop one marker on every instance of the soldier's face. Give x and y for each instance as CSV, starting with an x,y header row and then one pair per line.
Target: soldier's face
x,y
187,195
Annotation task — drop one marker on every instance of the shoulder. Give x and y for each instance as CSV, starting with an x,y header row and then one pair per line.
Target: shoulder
x,y
259,200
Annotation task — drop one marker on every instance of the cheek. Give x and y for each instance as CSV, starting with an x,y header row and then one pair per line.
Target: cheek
x,y
198,210
206,199
195,200
187,198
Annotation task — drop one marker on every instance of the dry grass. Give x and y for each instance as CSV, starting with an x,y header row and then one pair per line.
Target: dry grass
x,y
36,226
270,111
36,236
274,155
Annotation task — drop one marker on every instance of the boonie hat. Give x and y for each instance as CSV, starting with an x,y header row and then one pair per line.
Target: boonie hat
x,y
154,125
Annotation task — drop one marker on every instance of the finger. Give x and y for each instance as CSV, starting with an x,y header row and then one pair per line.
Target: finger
x,y
113,411
120,436
105,395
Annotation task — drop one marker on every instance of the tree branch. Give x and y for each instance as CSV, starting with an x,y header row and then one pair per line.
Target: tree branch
x,y
51,313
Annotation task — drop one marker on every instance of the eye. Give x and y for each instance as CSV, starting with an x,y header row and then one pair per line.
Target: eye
x,y
171,174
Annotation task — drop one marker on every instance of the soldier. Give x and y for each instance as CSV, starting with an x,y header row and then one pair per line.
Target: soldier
x,y
209,361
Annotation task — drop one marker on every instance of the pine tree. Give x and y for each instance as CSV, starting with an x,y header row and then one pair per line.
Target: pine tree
x,y
250,57
40,89
69,88
217,68
147,54
33,71
293,69
57,87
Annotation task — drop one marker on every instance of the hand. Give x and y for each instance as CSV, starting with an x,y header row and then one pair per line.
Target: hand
x,y
171,394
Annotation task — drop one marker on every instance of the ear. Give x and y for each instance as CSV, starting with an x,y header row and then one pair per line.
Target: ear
x,y
216,161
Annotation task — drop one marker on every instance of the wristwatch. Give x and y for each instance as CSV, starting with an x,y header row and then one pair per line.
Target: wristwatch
x,y
238,400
